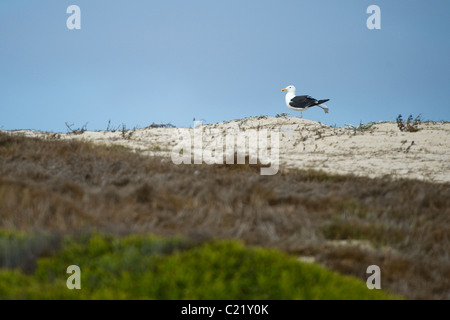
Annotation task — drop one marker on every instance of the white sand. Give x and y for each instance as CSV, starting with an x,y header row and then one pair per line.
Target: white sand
x,y
378,151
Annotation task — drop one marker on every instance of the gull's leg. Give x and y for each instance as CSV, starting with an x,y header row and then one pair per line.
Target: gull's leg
x,y
324,107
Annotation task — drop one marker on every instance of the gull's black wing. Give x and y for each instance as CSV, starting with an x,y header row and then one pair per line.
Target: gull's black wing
x,y
303,102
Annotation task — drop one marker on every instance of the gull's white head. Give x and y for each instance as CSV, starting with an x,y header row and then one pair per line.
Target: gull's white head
x,y
290,89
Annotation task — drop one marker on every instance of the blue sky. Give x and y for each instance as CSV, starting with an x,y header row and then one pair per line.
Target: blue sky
x,y
138,62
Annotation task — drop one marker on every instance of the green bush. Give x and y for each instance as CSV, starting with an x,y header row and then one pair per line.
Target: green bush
x,y
18,250
147,267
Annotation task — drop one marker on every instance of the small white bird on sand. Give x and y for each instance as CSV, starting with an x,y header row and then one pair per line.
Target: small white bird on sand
x,y
301,103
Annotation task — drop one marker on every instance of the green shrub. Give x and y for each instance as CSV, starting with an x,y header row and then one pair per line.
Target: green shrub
x,y
18,250
147,267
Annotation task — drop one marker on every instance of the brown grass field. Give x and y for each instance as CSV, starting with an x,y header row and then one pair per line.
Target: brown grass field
x,y
343,222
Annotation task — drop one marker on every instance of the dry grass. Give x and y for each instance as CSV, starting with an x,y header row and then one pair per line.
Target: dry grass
x,y
67,187
410,125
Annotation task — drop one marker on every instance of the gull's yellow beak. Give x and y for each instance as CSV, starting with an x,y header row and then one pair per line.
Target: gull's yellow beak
x,y
284,89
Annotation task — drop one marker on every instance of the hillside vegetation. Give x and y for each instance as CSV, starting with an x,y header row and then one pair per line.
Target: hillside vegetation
x,y
50,190
145,267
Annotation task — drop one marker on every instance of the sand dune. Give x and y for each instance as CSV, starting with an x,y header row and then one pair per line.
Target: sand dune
x,y
345,223
379,150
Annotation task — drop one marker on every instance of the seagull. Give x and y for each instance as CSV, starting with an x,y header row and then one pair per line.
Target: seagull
x,y
301,103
